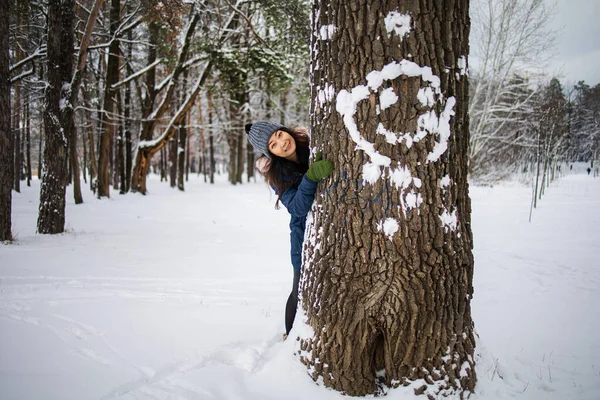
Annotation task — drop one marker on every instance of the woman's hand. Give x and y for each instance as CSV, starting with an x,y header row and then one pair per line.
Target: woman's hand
x,y
320,169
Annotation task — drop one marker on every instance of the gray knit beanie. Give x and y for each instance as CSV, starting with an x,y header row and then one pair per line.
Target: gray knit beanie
x,y
259,134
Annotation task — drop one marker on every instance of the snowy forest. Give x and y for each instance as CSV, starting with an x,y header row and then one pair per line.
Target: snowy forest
x,y
165,87
139,241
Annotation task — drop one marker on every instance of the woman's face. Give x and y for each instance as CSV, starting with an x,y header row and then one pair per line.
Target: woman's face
x,y
282,144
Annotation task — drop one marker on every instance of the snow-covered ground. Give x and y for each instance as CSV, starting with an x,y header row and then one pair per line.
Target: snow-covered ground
x,y
181,296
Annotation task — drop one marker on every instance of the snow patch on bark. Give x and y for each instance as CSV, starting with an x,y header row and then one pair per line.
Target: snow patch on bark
x,y
387,98
389,226
449,219
443,129
325,95
397,23
445,182
462,64
326,32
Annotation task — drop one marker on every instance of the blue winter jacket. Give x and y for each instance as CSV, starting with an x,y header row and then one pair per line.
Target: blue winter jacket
x,y
298,200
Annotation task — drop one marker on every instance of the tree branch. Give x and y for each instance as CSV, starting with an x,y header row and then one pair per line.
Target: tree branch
x,y
82,56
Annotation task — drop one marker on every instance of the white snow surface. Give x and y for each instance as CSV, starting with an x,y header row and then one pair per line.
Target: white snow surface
x,y
181,296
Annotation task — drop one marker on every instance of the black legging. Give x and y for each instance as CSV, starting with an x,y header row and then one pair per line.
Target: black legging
x,y
292,303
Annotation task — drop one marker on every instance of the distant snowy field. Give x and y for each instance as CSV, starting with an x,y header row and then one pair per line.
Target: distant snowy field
x,y
181,296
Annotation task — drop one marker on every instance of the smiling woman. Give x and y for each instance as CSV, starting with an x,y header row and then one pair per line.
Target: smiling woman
x,y
284,164
282,144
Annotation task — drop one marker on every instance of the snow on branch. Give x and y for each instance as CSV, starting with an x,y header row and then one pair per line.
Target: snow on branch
x,y
137,74
39,52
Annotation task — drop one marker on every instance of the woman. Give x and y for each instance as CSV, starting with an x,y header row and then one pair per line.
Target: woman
x,y
284,164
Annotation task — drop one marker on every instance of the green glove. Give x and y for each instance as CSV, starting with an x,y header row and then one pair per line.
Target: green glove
x,y
320,169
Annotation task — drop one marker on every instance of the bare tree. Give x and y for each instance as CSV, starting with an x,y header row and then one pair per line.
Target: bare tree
x,y
388,265
510,38
6,159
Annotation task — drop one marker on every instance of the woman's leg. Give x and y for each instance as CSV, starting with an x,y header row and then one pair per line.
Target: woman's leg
x,y
292,303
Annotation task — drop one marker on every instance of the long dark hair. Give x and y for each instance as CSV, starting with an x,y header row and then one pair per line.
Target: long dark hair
x,y
280,173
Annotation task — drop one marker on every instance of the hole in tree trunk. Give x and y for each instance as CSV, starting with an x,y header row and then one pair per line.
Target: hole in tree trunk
x,y
379,353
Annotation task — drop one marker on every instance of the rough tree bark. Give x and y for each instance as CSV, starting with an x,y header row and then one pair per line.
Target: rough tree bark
x,y
6,161
61,17
388,265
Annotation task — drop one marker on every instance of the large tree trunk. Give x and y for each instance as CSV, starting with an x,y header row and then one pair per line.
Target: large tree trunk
x,y
109,125
61,16
387,279
6,163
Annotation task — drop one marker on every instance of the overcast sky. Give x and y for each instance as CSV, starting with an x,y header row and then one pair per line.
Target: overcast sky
x,y
578,48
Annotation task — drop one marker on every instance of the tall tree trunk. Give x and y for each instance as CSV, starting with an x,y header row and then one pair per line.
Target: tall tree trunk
x,y
181,137
40,147
240,156
388,270
173,162
202,150
6,158
92,147
127,106
211,143
17,108
109,125
233,148
85,168
187,147
117,163
284,101
183,132
27,113
163,169
18,166
78,197
150,93
60,48
537,173
249,161
28,150
120,160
